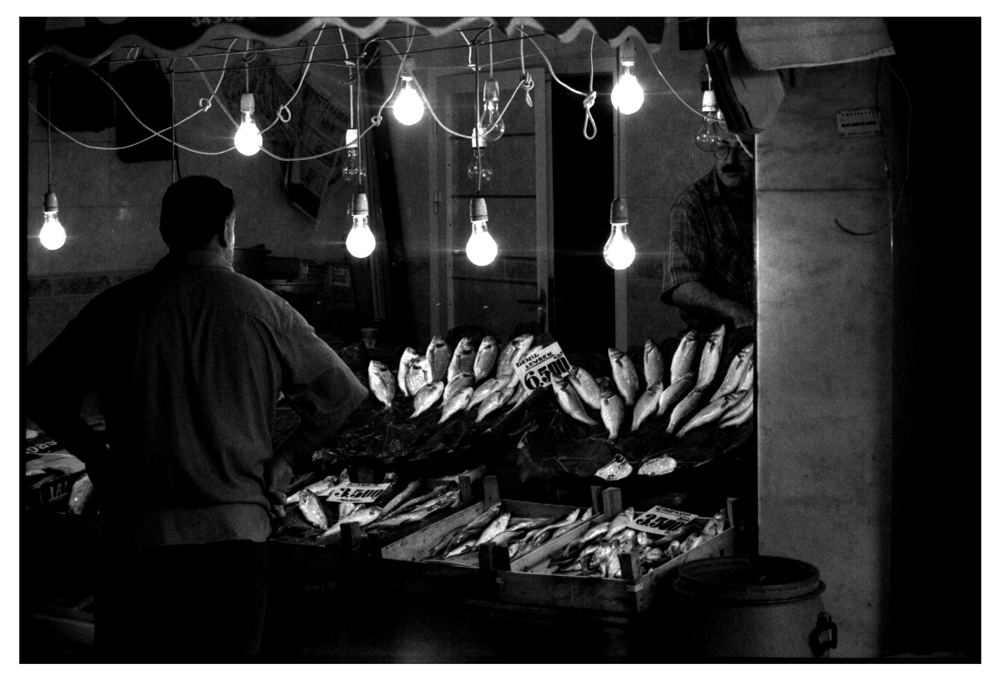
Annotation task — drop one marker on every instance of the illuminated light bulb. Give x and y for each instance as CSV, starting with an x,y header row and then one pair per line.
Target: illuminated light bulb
x,y
53,234
481,249
248,140
619,251
491,123
479,167
354,170
360,240
712,130
627,95
408,108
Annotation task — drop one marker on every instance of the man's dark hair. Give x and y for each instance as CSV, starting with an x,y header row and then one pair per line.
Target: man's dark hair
x,y
194,210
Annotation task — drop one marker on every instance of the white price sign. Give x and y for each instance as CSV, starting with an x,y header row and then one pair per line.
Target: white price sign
x,y
537,367
357,492
662,520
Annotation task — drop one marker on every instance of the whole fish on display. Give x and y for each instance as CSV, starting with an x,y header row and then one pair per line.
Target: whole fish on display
x,y
570,402
685,359
513,351
494,528
618,469
414,502
647,404
586,386
687,408
737,370
459,383
494,401
427,397
660,465
612,412
710,412
457,403
486,358
312,509
364,515
711,356
382,382
438,357
674,393
417,513
481,392
471,530
320,488
537,537
462,360
409,357
626,378
742,417
406,494
652,363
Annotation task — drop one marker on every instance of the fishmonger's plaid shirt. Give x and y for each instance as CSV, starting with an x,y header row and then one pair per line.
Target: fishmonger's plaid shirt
x,y
711,241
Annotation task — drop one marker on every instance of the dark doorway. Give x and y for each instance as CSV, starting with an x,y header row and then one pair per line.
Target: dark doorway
x,y
583,289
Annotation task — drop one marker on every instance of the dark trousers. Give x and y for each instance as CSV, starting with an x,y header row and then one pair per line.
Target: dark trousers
x,y
192,603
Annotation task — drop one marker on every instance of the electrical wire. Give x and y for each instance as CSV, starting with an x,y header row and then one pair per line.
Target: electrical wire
x,y
283,109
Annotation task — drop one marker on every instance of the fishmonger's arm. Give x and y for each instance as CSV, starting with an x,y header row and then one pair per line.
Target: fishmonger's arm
x,y
698,298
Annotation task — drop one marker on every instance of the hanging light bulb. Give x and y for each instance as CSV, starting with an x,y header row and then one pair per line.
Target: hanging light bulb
x,y
627,95
481,249
248,140
354,170
491,123
619,251
53,234
479,169
710,134
360,240
408,108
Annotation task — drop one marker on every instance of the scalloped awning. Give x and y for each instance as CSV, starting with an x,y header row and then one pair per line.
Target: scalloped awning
x,y
88,40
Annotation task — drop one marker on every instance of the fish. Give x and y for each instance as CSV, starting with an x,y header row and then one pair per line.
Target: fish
x,y
439,490
312,509
744,402
513,352
486,358
365,515
569,401
462,360
659,465
481,392
618,469
456,385
456,404
586,386
494,528
737,370
685,356
438,358
408,493
747,382
612,412
612,568
642,539
346,508
507,537
320,488
626,378
620,521
382,382
541,535
427,397
408,357
710,413
711,356
647,404
738,419
652,363
470,531
468,544
674,393
494,401
652,555
418,513
692,541
418,374
686,408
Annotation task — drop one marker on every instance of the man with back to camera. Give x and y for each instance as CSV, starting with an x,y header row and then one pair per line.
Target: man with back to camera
x,y
188,361
708,269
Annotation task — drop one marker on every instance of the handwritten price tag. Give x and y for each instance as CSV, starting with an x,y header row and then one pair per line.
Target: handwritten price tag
x,y
357,492
661,520
537,367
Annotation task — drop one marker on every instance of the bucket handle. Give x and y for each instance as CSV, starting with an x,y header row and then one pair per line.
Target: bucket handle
x,y
824,623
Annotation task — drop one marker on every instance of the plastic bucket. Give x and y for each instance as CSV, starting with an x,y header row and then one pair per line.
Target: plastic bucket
x,y
752,607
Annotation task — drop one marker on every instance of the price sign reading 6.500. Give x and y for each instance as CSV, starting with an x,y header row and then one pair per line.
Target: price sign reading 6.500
x,y
537,368
662,520
357,492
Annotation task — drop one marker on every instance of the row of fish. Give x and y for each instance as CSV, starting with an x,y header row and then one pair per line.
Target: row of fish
x,y
399,505
598,551
518,535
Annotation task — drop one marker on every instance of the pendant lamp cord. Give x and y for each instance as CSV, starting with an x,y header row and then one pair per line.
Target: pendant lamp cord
x,y
360,157
173,128
48,84
478,137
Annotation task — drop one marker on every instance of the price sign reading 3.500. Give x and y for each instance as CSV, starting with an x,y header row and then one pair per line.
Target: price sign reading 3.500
x,y
662,520
357,492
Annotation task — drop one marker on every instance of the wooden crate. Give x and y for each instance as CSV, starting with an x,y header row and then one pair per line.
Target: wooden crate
x,y
530,583
468,576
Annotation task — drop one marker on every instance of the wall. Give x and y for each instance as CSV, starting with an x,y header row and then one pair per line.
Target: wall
x,y
825,347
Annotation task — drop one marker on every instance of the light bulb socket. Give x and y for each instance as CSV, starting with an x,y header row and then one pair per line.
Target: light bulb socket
x,y
51,203
359,204
351,138
246,102
478,139
491,91
626,53
477,210
619,212
708,103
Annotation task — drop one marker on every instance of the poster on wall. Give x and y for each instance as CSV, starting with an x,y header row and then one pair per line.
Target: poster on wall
x,y
323,127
